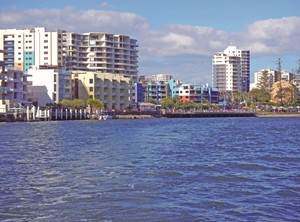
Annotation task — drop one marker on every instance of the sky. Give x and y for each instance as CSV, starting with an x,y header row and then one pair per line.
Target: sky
x,y
177,37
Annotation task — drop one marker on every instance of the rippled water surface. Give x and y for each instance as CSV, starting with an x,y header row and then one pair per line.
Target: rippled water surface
x,y
210,169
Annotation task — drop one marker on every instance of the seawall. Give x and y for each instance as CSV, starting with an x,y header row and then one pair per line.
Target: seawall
x,y
207,114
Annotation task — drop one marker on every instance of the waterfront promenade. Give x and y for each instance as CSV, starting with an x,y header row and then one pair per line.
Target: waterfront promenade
x,y
83,115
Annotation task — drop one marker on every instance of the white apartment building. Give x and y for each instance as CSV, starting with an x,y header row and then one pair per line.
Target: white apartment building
x,y
274,76
159,77
24,48
49,85
101,52
231,70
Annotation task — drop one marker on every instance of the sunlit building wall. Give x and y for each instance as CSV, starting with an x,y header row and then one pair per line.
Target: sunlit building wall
x,y
112,89
231,70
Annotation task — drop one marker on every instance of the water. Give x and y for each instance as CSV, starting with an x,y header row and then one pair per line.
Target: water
x,y
210,169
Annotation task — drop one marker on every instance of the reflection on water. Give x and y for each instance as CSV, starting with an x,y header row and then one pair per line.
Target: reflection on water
x,y
215,169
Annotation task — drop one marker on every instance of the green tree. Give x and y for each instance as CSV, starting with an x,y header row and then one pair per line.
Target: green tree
x,y
176,99
78,103
260,95
150,100
167,103
95,103
265,85
66,102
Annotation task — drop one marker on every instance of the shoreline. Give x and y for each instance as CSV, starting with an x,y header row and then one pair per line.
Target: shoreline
x,y
271,114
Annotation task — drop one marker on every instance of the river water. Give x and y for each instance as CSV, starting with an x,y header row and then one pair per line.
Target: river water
x,y
202,169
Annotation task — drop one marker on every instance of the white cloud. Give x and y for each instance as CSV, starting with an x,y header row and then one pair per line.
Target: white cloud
x,y
105,5
274,36
74,20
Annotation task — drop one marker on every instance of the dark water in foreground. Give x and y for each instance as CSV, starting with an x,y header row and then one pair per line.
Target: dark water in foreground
x,y
214,169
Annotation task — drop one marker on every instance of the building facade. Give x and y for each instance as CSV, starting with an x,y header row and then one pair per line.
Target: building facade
x,y
155,91
49,84
139,93
156,77
173,87
231,70
113,90
97,52
198,94
274,76
101,52
24,48
13,87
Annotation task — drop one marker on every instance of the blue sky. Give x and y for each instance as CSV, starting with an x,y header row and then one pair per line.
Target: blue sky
x,y
176,37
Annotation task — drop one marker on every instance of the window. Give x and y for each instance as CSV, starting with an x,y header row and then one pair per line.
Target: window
x,y
91,89
91,81
45,47
45,58
45,41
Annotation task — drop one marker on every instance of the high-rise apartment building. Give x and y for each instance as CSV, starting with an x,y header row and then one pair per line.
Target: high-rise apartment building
x,y
231,70
27,47
101,52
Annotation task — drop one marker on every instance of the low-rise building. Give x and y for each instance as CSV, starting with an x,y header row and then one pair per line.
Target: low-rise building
x,y
13,87
155,90
49,80
173,87
113,90
198,93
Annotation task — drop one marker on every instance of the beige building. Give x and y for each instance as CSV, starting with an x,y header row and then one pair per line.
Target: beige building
x,y
112,89
288,95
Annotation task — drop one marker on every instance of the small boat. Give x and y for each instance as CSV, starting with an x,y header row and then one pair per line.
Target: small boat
x,y
104,116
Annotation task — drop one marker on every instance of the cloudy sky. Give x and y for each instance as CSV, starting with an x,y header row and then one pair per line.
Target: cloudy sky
x,y
177,37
